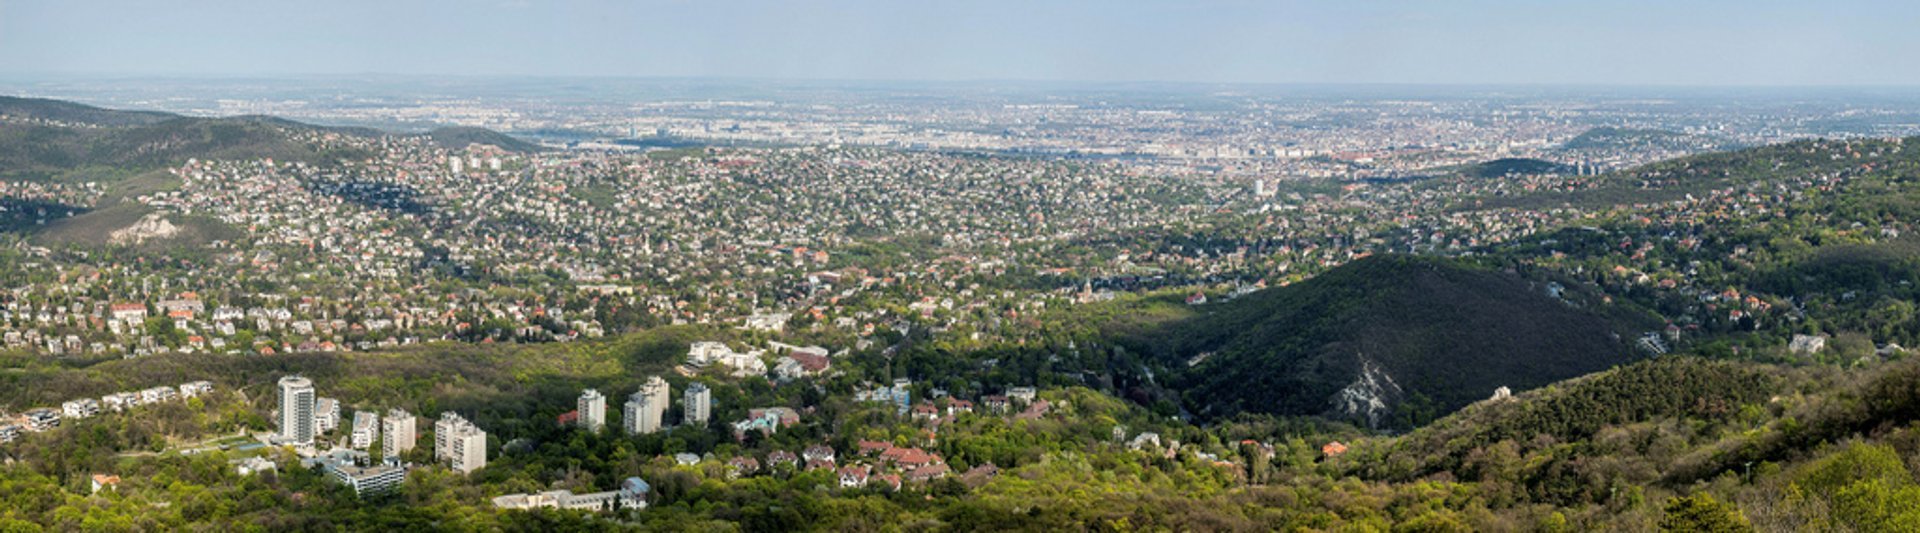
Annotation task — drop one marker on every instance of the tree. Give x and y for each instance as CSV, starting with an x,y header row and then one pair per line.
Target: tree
x,y
1700,512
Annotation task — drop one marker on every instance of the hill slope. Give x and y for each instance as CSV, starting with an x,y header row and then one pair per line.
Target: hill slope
x,y
460,136
69,112
1390,341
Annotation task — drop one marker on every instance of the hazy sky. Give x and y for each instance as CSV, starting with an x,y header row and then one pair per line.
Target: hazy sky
x,y
1688,42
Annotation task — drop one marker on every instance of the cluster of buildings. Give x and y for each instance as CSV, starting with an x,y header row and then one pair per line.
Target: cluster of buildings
x,y
303,417
46,418
645,410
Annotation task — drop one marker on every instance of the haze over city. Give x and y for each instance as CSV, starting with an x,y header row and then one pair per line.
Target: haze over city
x,y
1480,42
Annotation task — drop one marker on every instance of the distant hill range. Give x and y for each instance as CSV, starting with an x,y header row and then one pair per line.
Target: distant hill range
x,y
43,138
1608,138
1387,341
454,137
1514,166
127,152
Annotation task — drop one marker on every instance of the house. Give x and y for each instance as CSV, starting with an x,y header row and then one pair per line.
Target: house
x,y
1143,440
131,313
957,406
909,458
81,408
1807,344
1035,411
103,481
195,388
853,476
120,401
782,459
766,420
818,452
9,433
928,473
872,448
253,465
1197,298
800,364
158,394
42,419
1333,449
925,411
1024,395
996,403
980,475
742,466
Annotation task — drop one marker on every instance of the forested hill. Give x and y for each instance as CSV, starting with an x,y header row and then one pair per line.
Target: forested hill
x,y
461,136
1390,341
42,139
73,113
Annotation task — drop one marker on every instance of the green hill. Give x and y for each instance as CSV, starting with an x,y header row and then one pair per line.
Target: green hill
x,y
1608,138
461,136
64,111
1513,166
1390,341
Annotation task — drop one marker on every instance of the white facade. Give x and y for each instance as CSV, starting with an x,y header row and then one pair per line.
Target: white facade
x,y
296,410
326,415
593,410
366,426
397,433
459,443
698,405
646,410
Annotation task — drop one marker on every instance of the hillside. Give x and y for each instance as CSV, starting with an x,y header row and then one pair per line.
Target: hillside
x,y
1513,166
458,137
1607,138
1389,341
69,112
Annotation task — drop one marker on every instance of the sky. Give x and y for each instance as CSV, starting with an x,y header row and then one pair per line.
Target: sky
x,y
1578,42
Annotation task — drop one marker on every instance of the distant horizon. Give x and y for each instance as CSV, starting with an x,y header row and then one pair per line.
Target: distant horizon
x,y
44,77
1711,43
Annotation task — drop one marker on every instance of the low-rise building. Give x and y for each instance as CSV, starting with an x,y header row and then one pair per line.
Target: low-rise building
x,y
42,419
81,408
355,470
632,494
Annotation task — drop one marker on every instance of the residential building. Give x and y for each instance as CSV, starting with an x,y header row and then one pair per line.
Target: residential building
x,y
632,494
296,410
697,405
366,427
459,443
326,414
355,470
195,388
397,433
42,419
593,410
646,409
81,408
